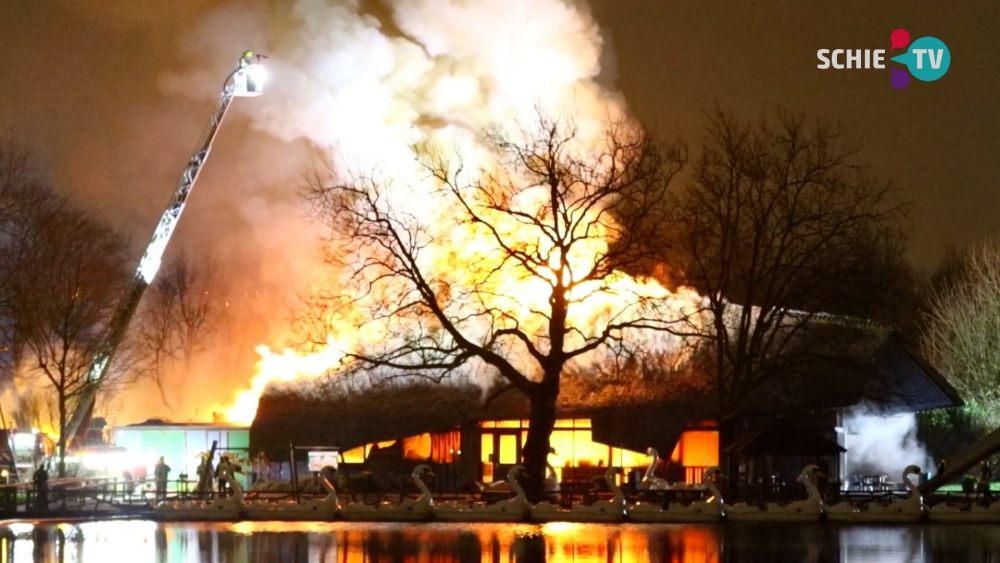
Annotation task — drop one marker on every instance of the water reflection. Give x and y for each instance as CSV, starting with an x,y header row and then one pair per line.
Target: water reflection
x,y
148,542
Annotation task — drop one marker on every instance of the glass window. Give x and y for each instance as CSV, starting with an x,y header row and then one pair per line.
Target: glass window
x,y
586,451
564,423
418,447
487,445
508,449
700,448
627,458
357,455
508,424
487,424
562,442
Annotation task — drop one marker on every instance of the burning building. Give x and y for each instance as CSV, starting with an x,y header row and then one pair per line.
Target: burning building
x,y
785,424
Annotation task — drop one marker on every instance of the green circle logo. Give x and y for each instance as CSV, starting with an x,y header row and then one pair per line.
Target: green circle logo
x,y
927,59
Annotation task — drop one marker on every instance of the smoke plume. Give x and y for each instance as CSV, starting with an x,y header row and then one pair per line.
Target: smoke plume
x,y
883,445
361,84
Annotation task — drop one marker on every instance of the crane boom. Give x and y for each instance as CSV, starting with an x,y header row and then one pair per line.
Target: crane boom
x,y
245,81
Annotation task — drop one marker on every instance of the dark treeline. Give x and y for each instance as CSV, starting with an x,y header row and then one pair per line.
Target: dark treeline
x,y
63,271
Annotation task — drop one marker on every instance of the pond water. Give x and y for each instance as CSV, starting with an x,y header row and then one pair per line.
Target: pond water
x,y
264,542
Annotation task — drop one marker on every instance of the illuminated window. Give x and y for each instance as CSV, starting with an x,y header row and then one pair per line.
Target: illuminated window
x,y
700,448
487,447
508,449
694,474
581,423
357,455
562,442
487,424
564,423
586,452
508,424
417,448
445,446
627,458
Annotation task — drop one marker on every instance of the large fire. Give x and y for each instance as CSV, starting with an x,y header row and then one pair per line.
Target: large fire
x,y
342,79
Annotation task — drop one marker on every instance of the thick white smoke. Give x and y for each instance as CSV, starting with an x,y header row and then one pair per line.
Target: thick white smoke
x,y
883,445
370,85
363,82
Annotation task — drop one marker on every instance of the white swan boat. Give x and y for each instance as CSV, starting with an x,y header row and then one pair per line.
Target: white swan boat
x,y
809,510
325,508
650,482
409,510
711,509
601,511
510,510
226,509
551,484
976,513
910,509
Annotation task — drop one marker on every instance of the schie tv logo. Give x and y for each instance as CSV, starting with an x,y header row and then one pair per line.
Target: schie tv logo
x,y
927,59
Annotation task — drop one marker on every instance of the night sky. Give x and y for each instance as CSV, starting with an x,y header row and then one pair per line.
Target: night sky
x,y
80,86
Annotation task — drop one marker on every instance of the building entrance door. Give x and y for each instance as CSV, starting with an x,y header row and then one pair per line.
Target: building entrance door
x,y
507,446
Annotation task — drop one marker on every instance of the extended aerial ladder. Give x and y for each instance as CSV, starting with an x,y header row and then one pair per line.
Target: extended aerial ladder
x,y
246,81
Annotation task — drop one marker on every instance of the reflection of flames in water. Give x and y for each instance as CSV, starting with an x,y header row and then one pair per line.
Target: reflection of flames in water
x,y
462,66
557,542
340,542
146,542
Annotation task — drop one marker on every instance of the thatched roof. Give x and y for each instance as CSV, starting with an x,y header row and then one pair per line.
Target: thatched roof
x,y
350,419
636,407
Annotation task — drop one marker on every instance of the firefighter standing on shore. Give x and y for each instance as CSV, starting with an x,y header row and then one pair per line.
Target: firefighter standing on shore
x,y
160,473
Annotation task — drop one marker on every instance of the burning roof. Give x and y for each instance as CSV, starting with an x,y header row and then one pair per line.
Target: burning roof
x,y
634,410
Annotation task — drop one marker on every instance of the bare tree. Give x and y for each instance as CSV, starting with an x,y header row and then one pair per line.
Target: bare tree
x,y
504,270
73,281
22,195
194,282
776,225
179,317
34,409
157,329
962,330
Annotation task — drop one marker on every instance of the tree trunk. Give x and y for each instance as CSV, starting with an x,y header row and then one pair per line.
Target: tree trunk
x,y
727,436
62,436
536,449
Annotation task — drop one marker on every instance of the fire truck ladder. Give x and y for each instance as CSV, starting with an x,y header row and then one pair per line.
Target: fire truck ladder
x,y
246,81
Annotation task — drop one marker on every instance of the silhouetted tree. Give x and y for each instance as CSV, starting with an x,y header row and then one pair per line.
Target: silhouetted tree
x,y
179,317
505,269
68,285
776,226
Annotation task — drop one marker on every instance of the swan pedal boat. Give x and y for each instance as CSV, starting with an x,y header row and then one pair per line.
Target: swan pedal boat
x,y
510,510
601,511
910,509
808,510
323,509
220,509
976,513
710,510
409,510
650,482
